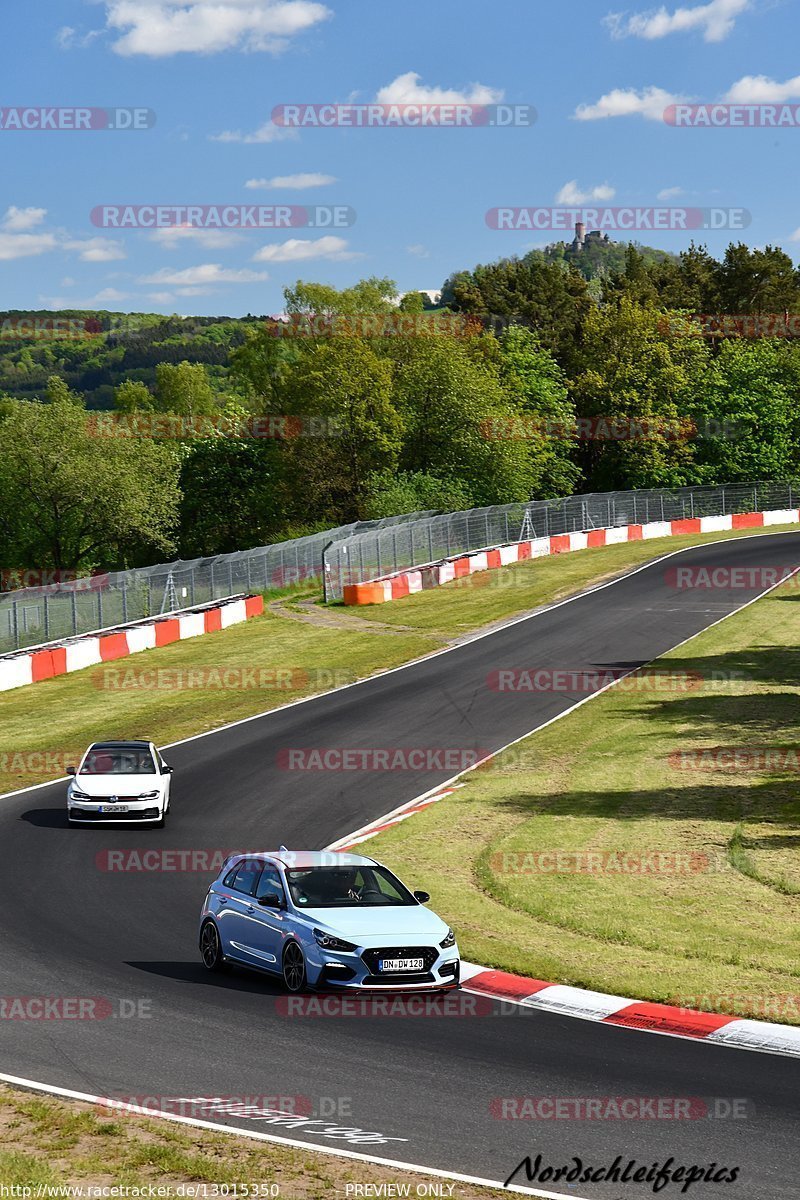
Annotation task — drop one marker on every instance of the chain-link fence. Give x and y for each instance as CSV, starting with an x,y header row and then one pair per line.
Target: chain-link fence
x,y
64,608
413,543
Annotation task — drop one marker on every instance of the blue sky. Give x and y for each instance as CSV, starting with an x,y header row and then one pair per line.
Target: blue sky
x,y
212,70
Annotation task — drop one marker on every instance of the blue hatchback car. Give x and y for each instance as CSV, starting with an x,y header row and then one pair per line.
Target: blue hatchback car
x,y
325,919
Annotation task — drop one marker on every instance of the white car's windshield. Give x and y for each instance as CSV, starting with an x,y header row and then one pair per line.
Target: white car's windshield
x,y
346,887
118,760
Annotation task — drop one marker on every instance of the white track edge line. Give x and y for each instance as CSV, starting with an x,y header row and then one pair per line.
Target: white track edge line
x,y
197,1123
465,641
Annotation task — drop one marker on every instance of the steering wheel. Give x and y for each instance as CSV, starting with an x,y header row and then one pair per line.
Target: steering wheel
x,y
370,892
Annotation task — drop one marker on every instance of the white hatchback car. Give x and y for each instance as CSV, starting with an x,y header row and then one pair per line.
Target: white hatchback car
x,y
121,782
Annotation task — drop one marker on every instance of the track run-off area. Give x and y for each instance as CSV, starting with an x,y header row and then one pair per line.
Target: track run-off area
x,y
416,1090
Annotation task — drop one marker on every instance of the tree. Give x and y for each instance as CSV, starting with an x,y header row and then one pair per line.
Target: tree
x,y
346,427
536,387
747,416
458,420
230,496
75,501
391,493
184,389
550,297
634,393
758,281
132,396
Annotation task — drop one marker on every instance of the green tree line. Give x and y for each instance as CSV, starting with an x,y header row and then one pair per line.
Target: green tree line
x,y
535,376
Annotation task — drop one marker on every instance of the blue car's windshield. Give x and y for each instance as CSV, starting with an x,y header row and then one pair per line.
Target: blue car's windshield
x,y
346,887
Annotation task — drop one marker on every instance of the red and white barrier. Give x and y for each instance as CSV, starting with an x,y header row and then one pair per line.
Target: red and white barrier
x,y
378,591
46,663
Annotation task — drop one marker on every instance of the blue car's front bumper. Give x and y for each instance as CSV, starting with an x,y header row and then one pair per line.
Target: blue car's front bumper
x,y
360,968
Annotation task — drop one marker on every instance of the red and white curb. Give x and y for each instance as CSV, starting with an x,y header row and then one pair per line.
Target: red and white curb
x,y
644,1015
668,1019
398,815
46,662
405,583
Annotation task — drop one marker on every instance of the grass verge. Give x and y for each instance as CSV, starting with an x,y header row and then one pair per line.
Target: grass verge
x,y
200,684
647,767
46,1141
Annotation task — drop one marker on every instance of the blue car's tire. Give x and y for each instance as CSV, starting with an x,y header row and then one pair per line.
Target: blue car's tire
x,y
211,948
294,968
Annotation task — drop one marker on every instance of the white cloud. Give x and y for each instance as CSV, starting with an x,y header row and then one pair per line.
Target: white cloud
x,y
96,249
670,193
628,102
160,28
715,20
298,250
25,245
68,38
68,281
207,273
264,134
406,89
572,194
160,297
418,250
210,239
103,298
760,89
291,182
20,220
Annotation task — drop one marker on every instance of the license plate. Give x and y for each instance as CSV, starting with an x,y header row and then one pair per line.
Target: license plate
x,y
110,808
401,964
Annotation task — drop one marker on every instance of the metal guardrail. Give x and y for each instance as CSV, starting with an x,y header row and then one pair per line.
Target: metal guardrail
x,y
412,543
59,610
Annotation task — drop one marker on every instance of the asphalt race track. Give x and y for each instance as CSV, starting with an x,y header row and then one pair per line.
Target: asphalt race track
x,y
72,929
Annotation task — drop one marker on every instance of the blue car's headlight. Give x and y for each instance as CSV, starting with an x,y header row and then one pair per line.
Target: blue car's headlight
x,y
449,941
328,942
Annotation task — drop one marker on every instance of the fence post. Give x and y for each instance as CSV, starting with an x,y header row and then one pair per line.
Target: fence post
x,y
15,624
99,610
394,547
46,620
124,601
74,606
662,506
325,572
430,540
230,578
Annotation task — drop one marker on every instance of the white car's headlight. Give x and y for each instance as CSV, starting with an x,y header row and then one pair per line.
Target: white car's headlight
x,y
328,942
149,795
77,795
449,941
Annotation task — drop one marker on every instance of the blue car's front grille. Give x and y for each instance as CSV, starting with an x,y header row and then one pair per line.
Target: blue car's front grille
x,y
371,958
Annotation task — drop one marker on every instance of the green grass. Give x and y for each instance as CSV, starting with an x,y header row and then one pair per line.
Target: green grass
x,y
476,600
606,780
60,1142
